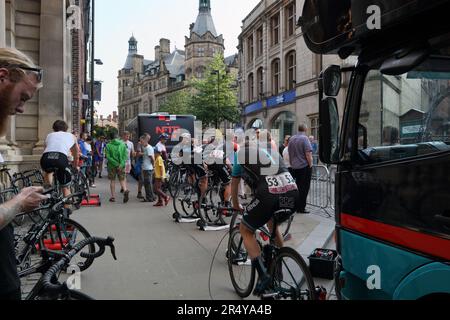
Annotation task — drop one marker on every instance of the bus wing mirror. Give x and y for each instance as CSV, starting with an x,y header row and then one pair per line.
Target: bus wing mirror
x,y
329,131
330,81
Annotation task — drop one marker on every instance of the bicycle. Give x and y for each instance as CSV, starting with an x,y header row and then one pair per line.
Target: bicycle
x,y
289,273
49,288
187,196
56,232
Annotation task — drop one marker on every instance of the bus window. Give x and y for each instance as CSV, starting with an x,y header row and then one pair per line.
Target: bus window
x,y
407,115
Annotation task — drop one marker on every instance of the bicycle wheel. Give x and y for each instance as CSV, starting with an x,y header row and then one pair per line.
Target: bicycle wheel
x,y
209,209
174,182
291,278
184,201
242,273
64,235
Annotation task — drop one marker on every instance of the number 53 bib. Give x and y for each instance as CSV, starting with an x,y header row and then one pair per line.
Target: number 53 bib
x,y
281,183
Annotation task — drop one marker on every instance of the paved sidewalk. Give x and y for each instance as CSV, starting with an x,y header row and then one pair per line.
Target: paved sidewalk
x,y
159,259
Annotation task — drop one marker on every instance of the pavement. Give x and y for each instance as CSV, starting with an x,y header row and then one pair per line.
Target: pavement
x,y
159,259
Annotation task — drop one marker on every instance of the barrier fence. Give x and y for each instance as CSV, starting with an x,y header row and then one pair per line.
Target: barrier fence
x,y
321,193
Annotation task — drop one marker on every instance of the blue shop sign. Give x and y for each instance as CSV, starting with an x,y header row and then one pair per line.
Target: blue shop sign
x,y
253,107
286,97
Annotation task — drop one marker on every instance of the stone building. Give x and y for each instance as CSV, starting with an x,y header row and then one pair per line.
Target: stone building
x,y
278,73
144,85
40,28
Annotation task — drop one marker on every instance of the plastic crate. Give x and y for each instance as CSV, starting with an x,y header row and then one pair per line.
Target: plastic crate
x,y
322,263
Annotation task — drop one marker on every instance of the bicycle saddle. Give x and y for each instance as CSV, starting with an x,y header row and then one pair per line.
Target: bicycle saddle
x,y
281,216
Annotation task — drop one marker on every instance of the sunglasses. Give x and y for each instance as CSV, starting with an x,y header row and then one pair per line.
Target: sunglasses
x,y
38,72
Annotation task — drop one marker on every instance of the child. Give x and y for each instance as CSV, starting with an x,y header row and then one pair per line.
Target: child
x,y
160,176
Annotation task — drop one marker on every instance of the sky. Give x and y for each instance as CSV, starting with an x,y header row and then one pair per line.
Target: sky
x,y
150,20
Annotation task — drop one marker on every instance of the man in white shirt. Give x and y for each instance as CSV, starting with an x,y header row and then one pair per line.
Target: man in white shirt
x,y
148,168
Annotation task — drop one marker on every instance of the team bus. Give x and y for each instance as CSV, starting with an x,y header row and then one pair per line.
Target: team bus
x,y
158,124
391,145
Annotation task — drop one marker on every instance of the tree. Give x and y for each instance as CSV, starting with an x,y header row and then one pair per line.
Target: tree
x,y
215,97
177,103
104,131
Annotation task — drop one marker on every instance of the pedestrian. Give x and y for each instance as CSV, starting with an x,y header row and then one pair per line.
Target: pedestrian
x,y
131,154
20,79
58,146
148,162
99,155
285,144
301,159
161,145
160,176
117,155
315,148
285,155
83,153
90,170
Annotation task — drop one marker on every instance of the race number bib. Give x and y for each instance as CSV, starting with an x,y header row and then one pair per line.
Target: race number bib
x,y
281,183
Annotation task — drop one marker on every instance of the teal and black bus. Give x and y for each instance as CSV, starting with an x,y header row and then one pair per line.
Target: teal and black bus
x,y
391,145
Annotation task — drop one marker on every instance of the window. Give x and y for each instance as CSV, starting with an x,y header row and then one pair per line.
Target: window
x,y
285,123
414,119
199,72
314,125
259,41
250,49
260,80
275,29
251,88
276,77
200,52
290,19
291,70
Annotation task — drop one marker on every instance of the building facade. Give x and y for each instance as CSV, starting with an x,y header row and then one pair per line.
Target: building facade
x,y
41,29
144,85
278,73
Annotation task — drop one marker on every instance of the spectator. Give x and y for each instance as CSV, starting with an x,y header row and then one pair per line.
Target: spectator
x,y
285,155
90,171
162,146
315,148
160,176
99,155
285,145
20,79
83,152
148,161
131,154
117,155
301,159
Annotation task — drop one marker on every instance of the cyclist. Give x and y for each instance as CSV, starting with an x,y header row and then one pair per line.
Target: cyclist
x,y
58,146
190,153
273,189
216,159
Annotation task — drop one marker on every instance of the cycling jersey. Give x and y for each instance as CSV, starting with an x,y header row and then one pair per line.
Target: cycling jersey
x,y
273,186
216,159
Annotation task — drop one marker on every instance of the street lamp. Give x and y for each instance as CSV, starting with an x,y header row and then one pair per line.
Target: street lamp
x,y
214,72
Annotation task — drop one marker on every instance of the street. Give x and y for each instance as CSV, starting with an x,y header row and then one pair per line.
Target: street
x,y
160,259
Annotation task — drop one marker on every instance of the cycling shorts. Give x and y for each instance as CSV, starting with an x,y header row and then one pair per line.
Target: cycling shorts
x,y
198,170
58,163
268,199
222,172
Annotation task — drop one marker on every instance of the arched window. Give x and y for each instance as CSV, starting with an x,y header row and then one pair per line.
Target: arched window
x,y
285,123
291,70
199,72
256,124
251,87
276,77
260,80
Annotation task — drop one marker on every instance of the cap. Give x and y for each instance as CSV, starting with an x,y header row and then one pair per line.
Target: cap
x,y
164,136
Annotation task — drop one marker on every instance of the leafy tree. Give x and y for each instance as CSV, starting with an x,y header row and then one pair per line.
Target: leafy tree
x,y
177,103
214,98
104,131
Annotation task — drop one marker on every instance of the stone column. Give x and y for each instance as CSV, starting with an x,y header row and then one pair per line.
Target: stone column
x,y
2,24
52,58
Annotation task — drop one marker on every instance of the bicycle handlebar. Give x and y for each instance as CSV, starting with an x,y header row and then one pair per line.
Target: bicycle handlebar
x,y
52,288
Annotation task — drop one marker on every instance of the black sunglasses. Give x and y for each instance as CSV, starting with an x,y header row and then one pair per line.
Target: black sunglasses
x,y
38,72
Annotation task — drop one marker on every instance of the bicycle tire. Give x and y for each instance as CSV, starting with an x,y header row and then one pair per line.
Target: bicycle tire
x,y
287,252
67,223
182,201
208,210
236,246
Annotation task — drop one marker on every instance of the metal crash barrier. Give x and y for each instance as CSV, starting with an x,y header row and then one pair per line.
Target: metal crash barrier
x,y
321,194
